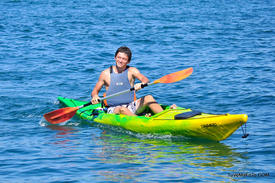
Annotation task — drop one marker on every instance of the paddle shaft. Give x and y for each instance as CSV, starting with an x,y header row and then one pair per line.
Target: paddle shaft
x,y
170,78
117,94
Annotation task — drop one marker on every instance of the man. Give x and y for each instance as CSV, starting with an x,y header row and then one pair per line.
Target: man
x,y
122,77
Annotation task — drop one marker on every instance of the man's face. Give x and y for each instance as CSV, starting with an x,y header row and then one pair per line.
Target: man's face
x,y
121,59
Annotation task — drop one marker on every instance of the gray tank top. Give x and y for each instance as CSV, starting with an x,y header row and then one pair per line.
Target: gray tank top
x,y
119,82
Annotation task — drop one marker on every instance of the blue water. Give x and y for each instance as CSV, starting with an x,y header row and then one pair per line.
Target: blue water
x,y
51,48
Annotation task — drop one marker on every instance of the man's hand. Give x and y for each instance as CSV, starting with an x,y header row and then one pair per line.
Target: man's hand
x,y
138,86
95,99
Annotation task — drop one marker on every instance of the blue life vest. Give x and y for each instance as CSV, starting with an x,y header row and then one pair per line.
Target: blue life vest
x,y
119,82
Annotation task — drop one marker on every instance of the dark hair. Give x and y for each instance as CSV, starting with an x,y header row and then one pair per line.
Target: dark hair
x,y
126,50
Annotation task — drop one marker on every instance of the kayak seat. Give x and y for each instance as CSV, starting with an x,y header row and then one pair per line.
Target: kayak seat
x,y
187,115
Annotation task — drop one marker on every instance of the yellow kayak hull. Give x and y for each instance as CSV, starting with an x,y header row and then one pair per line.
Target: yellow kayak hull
x,y
215,127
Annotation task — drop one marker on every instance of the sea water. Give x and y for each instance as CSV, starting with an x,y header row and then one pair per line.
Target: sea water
x,y
51,48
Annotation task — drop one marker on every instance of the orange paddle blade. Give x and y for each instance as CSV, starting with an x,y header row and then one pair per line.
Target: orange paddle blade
x,y
176,76
60,115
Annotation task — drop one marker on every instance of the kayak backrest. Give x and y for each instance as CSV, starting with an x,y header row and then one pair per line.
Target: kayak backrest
x,y
187,115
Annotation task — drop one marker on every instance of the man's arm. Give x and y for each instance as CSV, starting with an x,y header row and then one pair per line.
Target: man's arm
x,y
97,88
139,76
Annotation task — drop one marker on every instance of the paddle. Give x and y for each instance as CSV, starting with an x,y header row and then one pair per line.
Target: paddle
x,y
64,114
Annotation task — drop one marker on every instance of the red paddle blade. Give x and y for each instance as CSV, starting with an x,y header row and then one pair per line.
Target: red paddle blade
x,y
60,115
176,76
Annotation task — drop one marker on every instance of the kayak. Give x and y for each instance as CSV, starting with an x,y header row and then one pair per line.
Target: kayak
x,y
179,121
